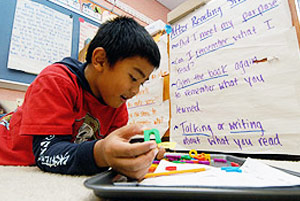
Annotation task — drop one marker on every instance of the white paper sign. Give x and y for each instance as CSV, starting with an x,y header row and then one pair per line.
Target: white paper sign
x,y
40,37
235,78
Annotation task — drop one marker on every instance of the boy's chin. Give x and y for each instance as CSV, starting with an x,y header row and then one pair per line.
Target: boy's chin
x,y
116,105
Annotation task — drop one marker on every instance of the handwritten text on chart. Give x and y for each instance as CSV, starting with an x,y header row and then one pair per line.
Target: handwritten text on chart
x,y
141,103
218,79
156,121
198,133
142,113
208,15
262,141
240,65
237,126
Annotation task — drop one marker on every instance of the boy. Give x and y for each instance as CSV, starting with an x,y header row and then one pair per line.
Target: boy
x,y
73,117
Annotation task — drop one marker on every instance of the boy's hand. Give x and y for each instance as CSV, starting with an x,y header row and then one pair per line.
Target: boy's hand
x,y
132,160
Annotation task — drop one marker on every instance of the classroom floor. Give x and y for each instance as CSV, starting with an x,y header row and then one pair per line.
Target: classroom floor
x,y
29,184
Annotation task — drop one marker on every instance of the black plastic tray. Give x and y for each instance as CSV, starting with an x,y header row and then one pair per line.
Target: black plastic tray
x,y
111,185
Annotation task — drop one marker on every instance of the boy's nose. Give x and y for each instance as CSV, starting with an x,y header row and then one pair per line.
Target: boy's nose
x,y
135,90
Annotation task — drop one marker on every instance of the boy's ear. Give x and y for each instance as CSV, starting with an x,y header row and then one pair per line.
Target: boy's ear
x,y
99,58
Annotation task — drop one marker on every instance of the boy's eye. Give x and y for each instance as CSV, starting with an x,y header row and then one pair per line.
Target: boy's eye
x,y
133,78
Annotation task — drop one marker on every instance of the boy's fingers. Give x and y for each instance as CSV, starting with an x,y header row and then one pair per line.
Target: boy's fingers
x,y
139,175
130,130
127,150
161,153
140,163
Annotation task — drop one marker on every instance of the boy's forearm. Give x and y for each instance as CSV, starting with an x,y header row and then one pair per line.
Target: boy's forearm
x,y
57,154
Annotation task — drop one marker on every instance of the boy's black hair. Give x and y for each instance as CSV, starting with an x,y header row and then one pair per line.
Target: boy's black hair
x,y
123,37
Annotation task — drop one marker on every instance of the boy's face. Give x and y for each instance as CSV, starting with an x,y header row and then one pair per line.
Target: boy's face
x,y
120,82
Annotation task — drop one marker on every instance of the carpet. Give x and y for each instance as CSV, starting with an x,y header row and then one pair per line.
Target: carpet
x,y
31,184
